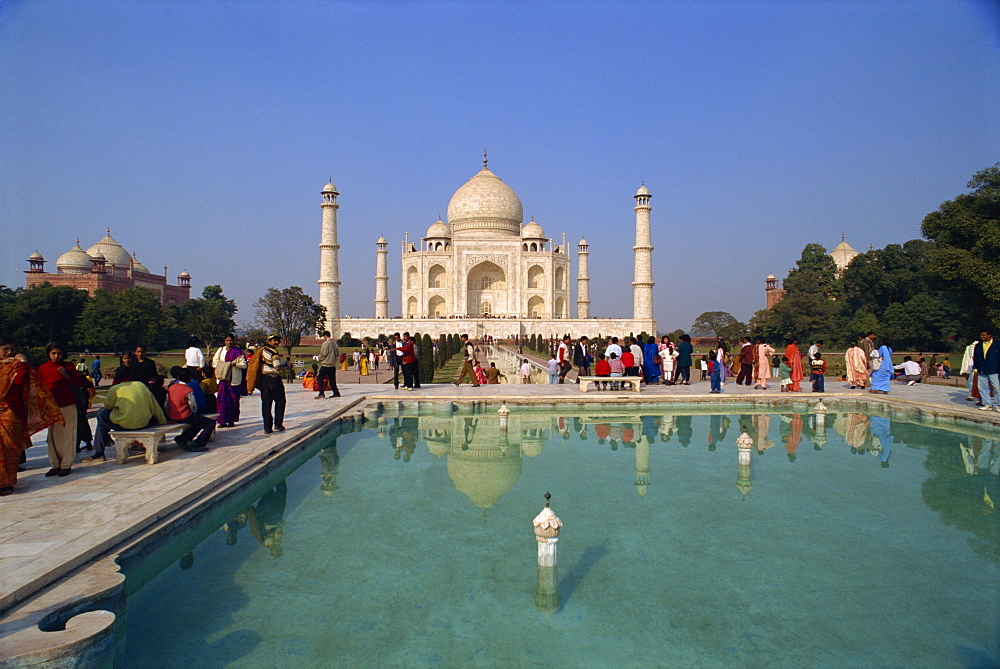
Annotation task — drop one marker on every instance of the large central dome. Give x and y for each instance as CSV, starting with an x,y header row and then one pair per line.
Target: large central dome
x,y
485,207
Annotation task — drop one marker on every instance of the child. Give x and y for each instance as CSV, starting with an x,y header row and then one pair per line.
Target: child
x,y
602,368
553,369
617,368
818,377
704,367
785,372
946,366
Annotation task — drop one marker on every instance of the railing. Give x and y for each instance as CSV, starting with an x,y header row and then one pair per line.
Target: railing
x,y
511,360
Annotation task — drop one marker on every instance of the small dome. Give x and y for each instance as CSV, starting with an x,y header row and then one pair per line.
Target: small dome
x,y
642,190
112,251
98,256
74,261
381,240
532,230
330,188
770,277
184,275
439,229
36,256
583,242
138,266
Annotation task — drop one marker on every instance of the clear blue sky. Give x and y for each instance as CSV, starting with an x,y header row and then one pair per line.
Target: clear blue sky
x,y
202,132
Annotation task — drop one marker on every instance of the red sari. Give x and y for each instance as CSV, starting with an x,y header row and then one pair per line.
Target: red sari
x,y
795,362
26,406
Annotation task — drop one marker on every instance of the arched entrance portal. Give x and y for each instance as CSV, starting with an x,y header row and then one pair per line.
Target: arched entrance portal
x,y
486,284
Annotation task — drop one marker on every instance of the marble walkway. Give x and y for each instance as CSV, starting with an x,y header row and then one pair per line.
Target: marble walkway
x,y
50,526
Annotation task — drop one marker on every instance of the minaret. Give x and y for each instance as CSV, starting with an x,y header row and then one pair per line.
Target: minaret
x,y
642,284
381,279
329,271
583,281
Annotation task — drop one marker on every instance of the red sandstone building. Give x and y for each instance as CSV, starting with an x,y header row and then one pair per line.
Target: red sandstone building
x,y
106,265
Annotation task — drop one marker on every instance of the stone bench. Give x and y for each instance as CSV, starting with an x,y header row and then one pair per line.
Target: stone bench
x,y
149,438
585,382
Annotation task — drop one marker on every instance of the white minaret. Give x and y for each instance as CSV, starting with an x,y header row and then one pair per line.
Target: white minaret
x,y
583,281
381,279
329,270
642,284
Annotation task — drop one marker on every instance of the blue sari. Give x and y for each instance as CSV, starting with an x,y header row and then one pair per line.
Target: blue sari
x,y
882,377
651,362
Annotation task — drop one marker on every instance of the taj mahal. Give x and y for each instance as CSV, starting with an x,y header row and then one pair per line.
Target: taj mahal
x,y
486,272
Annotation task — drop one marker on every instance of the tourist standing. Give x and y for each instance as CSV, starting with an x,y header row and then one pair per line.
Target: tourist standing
x,y
193,357
971,377
762,370
684,352
882,376
613,347
818,372
553,366
272,390
229,363
95,371
525,371
986,360
329,353
581,358
745,358
668,361
469,359
409,361
868,346
856,362
785,373
393,357
62,379
718,367
562,356
26,406
795,362
651,362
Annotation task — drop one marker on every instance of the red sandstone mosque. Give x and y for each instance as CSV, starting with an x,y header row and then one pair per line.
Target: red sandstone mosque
x,y
106,265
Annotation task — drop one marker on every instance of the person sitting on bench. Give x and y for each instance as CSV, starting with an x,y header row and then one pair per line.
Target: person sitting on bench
x,y
129,405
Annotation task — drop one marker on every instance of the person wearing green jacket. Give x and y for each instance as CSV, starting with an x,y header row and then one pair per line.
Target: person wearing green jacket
x,y
129,405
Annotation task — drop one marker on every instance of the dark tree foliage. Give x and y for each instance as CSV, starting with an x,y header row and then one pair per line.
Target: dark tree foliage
x,y
709,323
121,320
966,256
290,313
36,316
426,359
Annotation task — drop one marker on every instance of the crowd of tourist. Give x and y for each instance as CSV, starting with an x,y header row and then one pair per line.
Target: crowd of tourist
x,y
57,395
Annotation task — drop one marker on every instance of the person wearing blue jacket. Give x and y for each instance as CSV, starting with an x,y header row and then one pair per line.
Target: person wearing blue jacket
x,y
986,361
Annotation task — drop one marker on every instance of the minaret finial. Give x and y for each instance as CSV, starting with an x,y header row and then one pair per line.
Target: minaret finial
x,y
548,497
842,237
485,161
109,230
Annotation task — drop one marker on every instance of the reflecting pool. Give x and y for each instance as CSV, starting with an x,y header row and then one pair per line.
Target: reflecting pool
x,y
836,540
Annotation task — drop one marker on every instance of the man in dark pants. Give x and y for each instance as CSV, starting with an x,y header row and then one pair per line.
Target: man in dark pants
x,y
394,358
746,363
272,390
329,353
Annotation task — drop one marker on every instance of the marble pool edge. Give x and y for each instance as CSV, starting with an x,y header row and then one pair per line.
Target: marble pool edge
x,y
63,622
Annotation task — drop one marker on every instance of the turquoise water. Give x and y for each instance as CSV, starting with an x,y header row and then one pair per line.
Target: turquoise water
x,y
862,542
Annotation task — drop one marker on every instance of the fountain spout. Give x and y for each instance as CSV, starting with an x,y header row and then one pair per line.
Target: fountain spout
x,y
547,525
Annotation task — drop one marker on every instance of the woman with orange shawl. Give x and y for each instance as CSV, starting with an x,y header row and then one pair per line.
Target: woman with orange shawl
x,y
795,362
857,366
26,406
762,371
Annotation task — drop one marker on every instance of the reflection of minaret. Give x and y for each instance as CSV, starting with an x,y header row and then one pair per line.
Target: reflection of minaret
x,y
329,271
642,284
381,279
642,466
329,459
744,445
583,281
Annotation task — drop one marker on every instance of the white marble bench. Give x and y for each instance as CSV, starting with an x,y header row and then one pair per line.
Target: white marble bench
x,y
149,438
585,382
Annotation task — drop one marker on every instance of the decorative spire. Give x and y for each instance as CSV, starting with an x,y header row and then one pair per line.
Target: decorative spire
x,y
109,230
485,161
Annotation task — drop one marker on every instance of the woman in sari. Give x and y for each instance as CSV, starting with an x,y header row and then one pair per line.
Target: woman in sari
x,y
229,363
795,362
651,362
26,406
762,370
882,376
857,366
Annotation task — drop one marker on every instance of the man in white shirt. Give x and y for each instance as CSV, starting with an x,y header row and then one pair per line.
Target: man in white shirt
x,y
911,371
193,357
613,347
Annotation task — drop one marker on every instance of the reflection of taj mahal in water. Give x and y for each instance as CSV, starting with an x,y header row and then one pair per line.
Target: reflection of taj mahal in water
x,y
485,272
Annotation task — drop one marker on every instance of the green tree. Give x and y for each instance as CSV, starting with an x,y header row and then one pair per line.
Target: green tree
x,y
290,313
710,322
426,359
121,320
814,272
36,316
209,318
966,255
